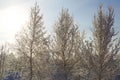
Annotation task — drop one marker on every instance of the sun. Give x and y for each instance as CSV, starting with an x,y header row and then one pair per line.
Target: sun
x,y
11,20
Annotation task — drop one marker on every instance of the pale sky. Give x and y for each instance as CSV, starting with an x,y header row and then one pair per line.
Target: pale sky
x,y
15,13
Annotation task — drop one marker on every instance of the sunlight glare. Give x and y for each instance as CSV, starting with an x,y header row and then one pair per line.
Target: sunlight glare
x,y
11,20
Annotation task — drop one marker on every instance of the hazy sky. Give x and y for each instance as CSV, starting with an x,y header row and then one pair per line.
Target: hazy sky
x,y
15,13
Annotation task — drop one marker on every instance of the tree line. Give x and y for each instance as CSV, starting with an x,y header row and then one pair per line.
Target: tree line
x,y
65,55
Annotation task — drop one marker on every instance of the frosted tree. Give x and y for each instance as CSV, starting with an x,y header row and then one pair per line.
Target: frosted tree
x,y
3,52
67,41
99,55
32,42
